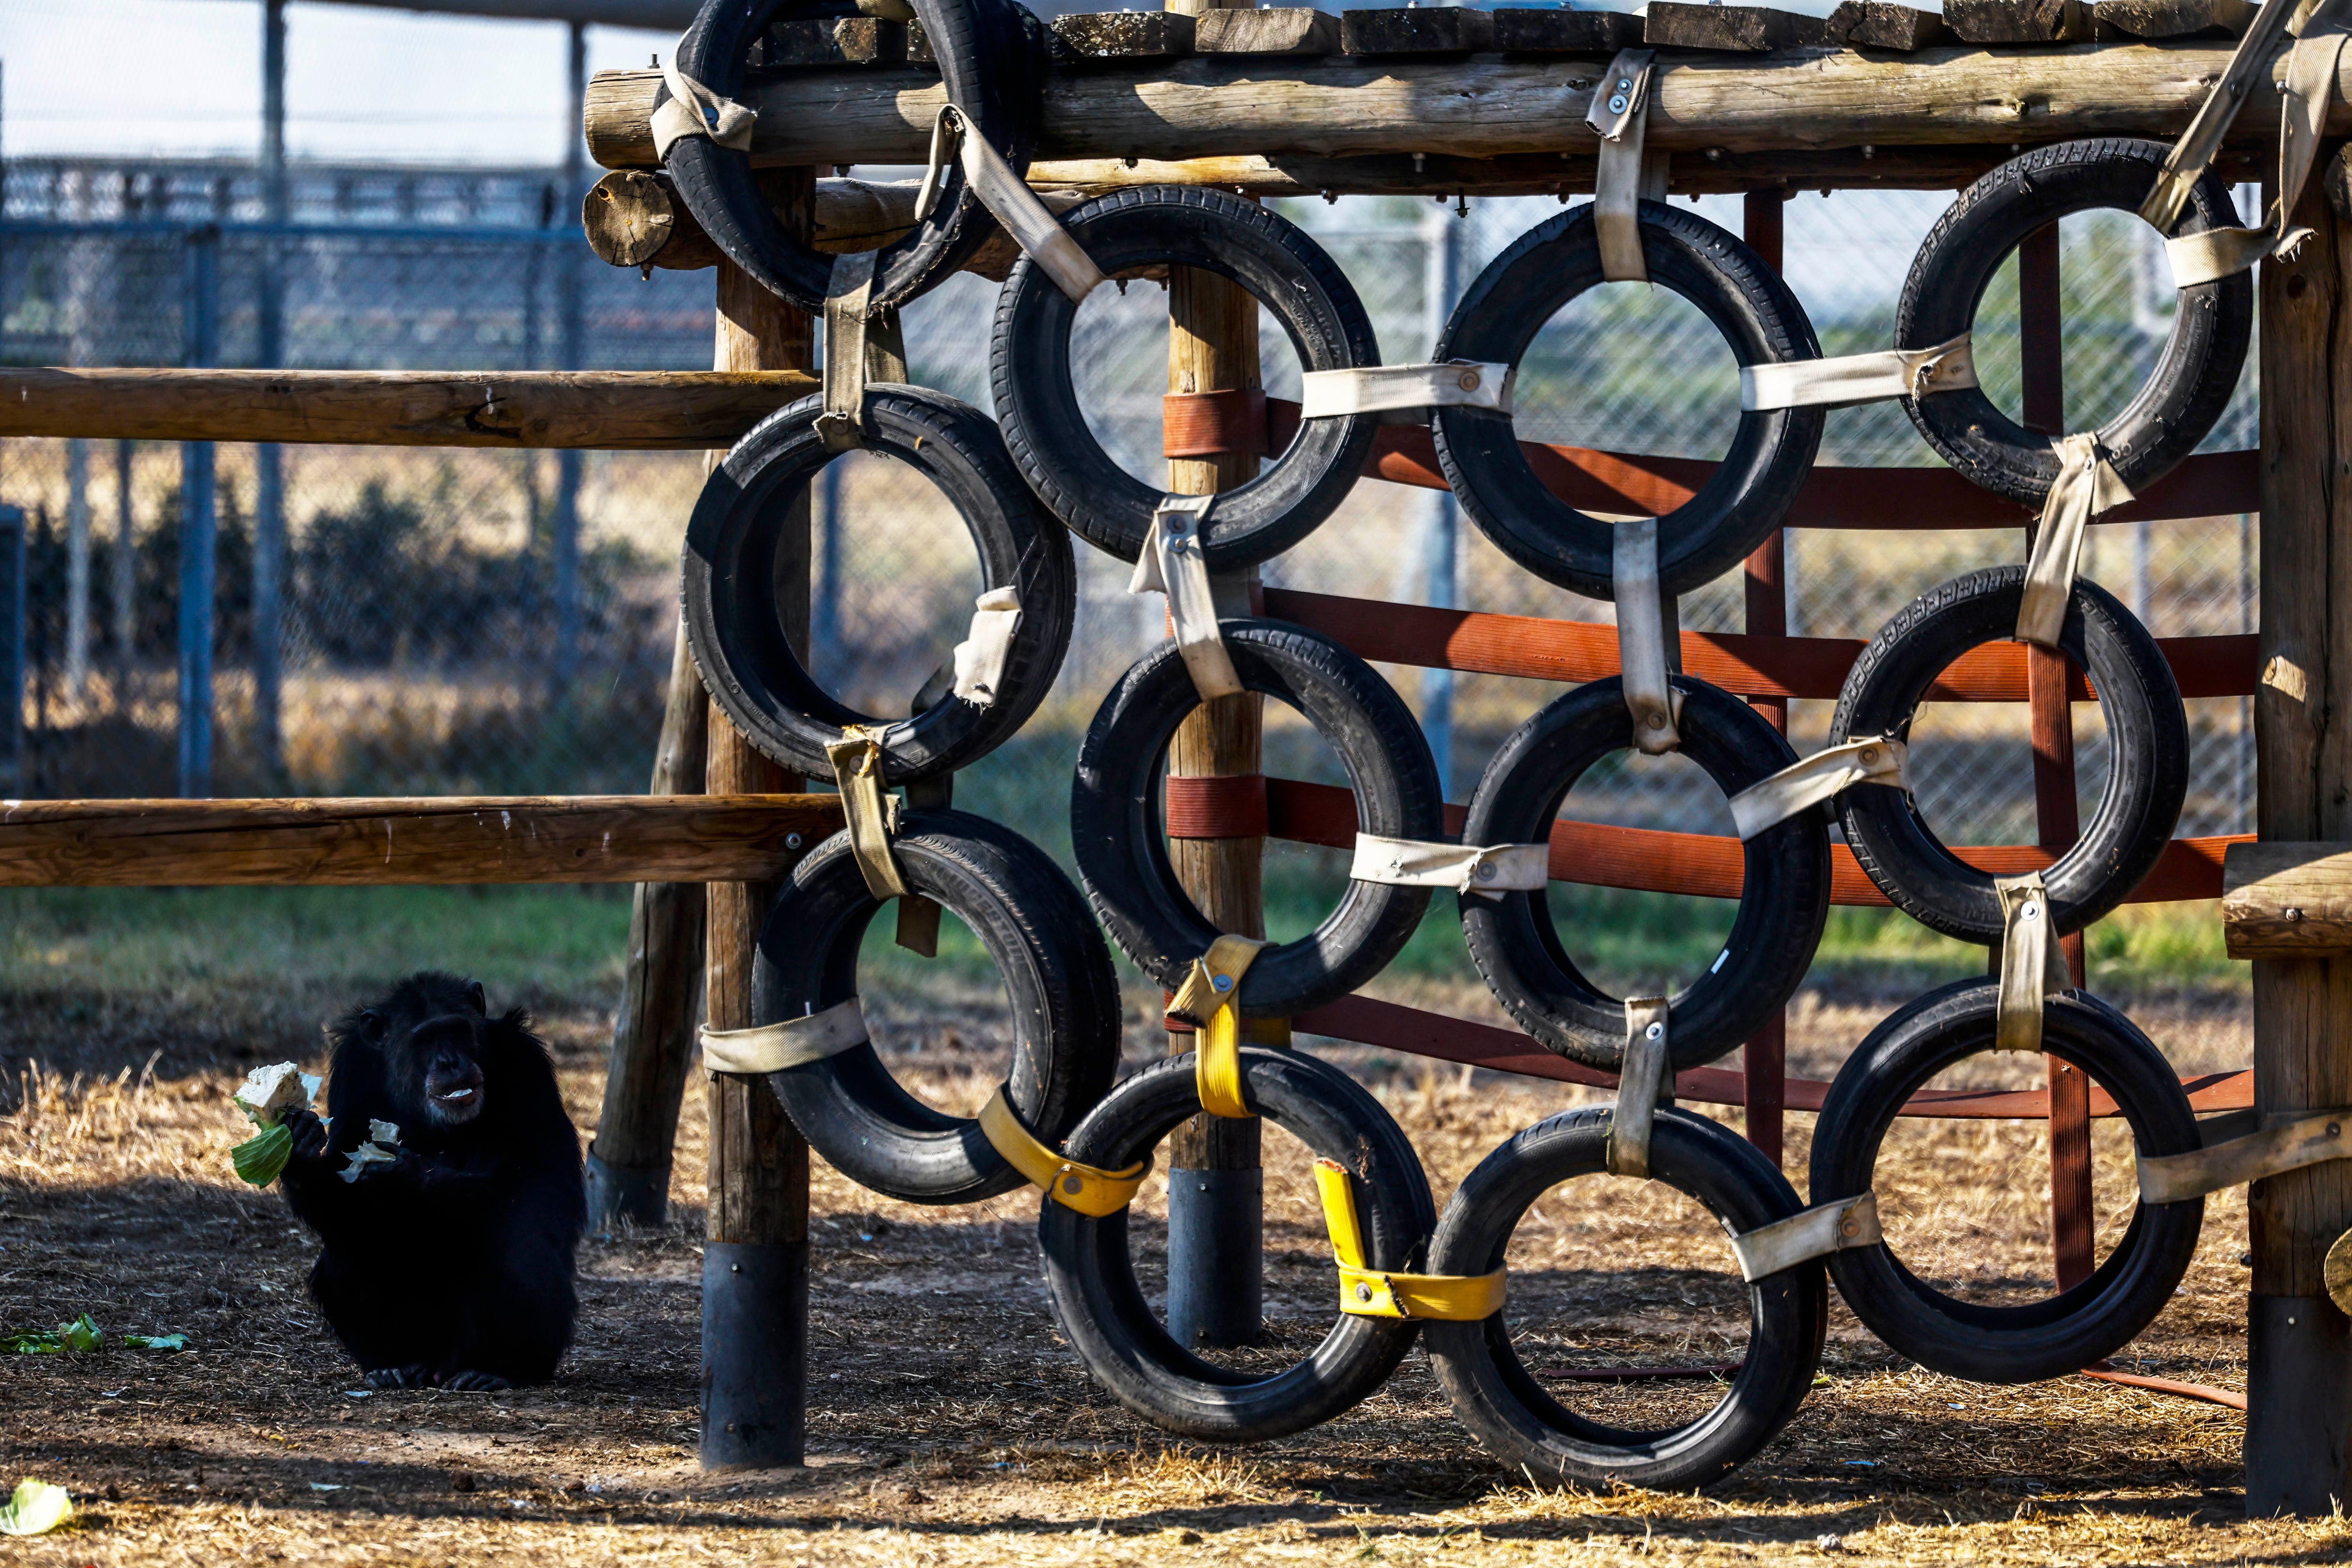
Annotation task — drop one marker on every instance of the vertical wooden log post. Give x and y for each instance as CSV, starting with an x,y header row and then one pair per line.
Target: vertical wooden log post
x,y
652,1035
755,1265
1764,1060
2299,1347
2041,352
1215,1188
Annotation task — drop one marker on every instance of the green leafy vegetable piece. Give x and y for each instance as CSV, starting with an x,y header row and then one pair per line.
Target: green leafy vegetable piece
x,y
31,1344
82,1334
261,1157
155,1342
37,1507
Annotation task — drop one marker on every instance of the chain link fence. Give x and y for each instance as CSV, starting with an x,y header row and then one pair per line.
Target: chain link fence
x,y
446,621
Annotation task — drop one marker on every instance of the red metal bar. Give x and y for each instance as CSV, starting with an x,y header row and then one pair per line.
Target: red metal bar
x,y
1765,1059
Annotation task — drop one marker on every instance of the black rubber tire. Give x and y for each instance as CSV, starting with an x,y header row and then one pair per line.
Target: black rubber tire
x,y
1520,1423
2192,383
2065,1333
2148,767
1100,1304
1771,453
1301,288
1116,822
1062,993
730,604
992,55
1783,907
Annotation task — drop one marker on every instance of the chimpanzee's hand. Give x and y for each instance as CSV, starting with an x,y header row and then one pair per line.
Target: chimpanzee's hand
x,y
309,1136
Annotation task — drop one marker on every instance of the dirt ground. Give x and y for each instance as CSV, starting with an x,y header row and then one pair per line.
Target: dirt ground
x,y
949,1424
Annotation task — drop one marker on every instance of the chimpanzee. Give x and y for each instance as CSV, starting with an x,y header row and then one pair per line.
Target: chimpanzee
x,y
451,1262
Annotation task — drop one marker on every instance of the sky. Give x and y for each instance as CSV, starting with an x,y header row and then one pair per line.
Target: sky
x,y
183,78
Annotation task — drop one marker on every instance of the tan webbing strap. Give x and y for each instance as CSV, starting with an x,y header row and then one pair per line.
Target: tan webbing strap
x,y
2033,966
1368,1292
693,110
1620,112
1209,1001
2085,486
1088,1189
1801,1237
847,293
1859,378
1033,229
2288,1141
857,760
790,1043
2194,153
1871,759
1493,869
980,658
1648,648
1642,1081
2310,88
1380,388
1172,563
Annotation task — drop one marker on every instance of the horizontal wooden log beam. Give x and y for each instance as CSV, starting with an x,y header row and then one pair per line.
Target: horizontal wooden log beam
x,y
2287,900
630,411
424,841
1493,107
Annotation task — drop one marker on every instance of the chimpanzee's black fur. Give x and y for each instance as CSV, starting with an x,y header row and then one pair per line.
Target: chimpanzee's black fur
x,y
452,1265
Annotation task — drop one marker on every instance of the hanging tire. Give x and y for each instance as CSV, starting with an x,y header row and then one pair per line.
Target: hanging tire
x,y
1061,991
732,617
992,57
1783,907
1116,825
2194,377
2147,768
1750,492
1494,1394
1300,285
1090,1269
2063,1333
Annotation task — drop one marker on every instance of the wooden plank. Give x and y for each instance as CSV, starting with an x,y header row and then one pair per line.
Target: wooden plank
x,y
1277,30
608,410
2287,901
1087,35
1496,107
1544,30
2172,18
1884,25
1416,30
2018,21
831,43
426,841
1737,29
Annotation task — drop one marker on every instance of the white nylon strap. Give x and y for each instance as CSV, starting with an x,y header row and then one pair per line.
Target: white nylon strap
x,y
1872,759
1643,657
2086,487
1620,112
1859,378
2288,1141
2190,156
1642,1080
2032,966
857,760
979,658
693,110
1171,564
1033,229
1801,1237
2303,115
848,292
1377,388
795,1042
1465,868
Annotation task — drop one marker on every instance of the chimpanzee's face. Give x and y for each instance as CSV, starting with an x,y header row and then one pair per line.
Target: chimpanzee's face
x,y
434,1039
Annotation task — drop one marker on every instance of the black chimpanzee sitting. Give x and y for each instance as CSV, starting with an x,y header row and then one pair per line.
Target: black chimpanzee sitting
x,y
451,1263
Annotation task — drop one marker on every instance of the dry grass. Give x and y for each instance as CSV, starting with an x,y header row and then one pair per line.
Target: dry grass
x,y
948,1424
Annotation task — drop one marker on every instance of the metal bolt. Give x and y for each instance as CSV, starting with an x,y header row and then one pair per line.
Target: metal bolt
x,y
734,1268
1655,1032
1469,379
1073,1185
1485,873
1624,84
1617,104
1850,1228
2031,912
791,840
2293,915
1222,981
2334,1129
1657,720
1363,1292
1869,754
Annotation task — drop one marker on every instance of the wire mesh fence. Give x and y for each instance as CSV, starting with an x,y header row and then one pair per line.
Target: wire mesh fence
x,y
446,621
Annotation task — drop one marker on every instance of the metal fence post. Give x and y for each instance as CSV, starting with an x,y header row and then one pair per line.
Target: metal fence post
x,y
570,328
1441,538
12,650
198,531
269,472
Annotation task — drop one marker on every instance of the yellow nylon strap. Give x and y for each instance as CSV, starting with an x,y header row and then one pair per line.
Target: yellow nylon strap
x,y
1366,1292
857,760
1208,1000
1085,1188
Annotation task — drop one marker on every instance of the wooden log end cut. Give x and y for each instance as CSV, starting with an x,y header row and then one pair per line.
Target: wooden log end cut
x,y
1737,29
2018,21
628,217
1122,36
2124,19
1416,30
1541,30
1277,30
831,43
2336,1273
1887,24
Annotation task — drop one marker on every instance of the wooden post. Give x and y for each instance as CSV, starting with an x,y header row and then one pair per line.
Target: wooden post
x,y
1215,1188
755,1265
2039,350
1764,1060
652,1035
2299,1346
